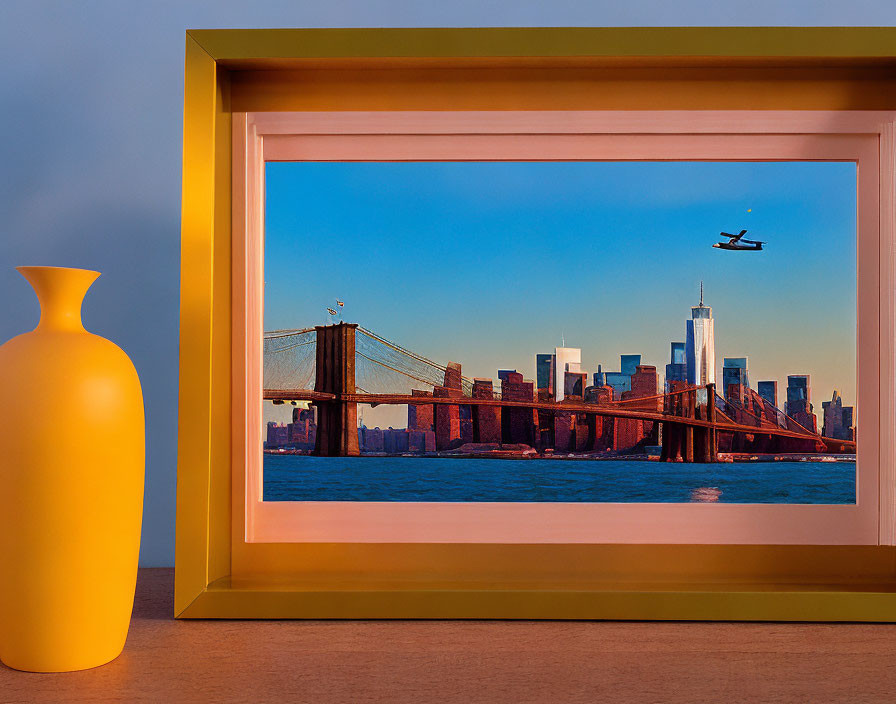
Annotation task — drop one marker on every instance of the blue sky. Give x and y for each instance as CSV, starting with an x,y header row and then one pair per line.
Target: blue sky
x,y
489,263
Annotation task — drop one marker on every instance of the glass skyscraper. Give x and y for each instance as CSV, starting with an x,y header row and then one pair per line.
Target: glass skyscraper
x,y
734,371
628,363
677,370
700,349
544,373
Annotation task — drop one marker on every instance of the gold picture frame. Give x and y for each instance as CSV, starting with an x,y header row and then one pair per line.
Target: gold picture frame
x,y
243,71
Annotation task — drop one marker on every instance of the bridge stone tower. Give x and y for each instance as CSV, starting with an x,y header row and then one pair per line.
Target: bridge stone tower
x,y
337,421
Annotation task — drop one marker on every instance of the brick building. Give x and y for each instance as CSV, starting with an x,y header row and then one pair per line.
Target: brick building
x,y
518,424
486,419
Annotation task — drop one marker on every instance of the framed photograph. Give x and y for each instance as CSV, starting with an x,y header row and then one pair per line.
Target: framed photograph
x,y
526,324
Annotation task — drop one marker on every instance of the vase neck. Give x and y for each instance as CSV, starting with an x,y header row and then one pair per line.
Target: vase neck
x,y
60,291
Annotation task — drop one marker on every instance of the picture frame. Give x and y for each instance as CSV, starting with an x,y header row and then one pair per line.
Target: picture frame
x,y
377,76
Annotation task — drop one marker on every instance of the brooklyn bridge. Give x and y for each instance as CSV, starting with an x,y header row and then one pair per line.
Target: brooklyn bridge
x,y
336,367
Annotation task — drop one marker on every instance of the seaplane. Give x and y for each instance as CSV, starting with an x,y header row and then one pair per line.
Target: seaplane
x,y
738,244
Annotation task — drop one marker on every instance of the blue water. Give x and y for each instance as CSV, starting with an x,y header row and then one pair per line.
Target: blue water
x,y
306,478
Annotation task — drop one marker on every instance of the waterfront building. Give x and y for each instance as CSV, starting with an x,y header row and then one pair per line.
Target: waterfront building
x,y
298,434
421,441
734,373
619,382
644,381
566,359
544,373
447,420
277,435
677,369
371,439
601,430
838,419
700,349
518,425
503,374
395,441
454,381
466,423
598,394
769,391
644,384
486,419
799,402
574,384
301,433
420,417
451,423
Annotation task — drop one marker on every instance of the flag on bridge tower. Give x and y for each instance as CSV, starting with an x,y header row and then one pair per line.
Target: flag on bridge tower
x,y
339,303
331,311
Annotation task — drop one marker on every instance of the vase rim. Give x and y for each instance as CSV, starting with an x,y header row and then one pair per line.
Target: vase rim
x,y
62,268
61,291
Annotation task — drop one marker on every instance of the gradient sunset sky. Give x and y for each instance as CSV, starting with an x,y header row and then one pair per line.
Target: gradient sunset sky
x,y
488,264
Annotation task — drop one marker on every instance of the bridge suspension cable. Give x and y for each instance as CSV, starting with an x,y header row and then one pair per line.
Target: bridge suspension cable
x,y
399,360
782,419
289,359
381,366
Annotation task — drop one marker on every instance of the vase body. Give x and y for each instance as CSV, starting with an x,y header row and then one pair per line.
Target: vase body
x,y
71,486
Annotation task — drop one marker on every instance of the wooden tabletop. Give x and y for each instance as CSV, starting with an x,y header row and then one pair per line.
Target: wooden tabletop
x,y
471,661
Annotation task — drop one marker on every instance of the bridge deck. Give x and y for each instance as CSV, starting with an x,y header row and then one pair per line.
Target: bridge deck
x,y
573,407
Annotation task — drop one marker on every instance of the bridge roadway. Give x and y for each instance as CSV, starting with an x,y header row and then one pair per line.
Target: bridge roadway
x,y
599,410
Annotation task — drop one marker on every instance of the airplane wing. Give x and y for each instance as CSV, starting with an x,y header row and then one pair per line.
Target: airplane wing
x,y
733,238
752,242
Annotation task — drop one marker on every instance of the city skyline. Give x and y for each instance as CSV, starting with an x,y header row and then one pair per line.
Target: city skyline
x,y
620,227
571,362
560,412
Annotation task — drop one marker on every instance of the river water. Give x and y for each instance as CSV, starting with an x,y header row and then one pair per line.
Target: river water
x,y
307,478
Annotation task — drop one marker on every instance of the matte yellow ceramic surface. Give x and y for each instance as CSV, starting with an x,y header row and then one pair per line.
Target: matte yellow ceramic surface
x,y
71,485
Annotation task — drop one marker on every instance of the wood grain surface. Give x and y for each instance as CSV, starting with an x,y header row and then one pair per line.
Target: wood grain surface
x,y
471,661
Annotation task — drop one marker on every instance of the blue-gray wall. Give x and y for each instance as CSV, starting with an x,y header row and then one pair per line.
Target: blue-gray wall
x,y
90,113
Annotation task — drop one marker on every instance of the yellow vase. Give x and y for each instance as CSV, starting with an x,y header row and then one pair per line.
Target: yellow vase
x,y
71,485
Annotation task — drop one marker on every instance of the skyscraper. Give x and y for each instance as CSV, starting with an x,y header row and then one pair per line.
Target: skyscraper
x,y
544,373
628,363
566,359
619,382
734,373
837,419
799,401
769,391
677,370
678,356
798,389
700,347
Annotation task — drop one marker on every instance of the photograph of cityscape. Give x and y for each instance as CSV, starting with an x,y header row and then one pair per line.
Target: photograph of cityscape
x,y
560,332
